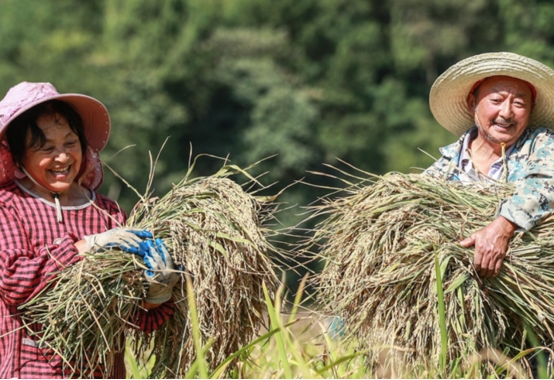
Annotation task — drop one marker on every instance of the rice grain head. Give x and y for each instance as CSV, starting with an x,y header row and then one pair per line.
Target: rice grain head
x,y
379,243
215,233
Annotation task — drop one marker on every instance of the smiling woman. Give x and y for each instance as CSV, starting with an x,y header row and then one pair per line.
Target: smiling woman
x,y
47,144
50,214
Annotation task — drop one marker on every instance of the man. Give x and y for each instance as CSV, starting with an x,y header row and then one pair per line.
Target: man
x,y
500,104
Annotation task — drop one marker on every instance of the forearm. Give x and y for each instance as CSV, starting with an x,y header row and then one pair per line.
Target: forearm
x,y
81,246
506,227
24,273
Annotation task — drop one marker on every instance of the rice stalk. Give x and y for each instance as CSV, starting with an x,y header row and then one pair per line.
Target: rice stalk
x,y
216,234
379,244
84,313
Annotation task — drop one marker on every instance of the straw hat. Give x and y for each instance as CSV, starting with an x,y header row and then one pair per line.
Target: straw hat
x,y
448,97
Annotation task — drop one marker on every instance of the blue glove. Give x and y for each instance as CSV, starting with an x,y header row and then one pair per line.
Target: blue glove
x,y
126,239
160,274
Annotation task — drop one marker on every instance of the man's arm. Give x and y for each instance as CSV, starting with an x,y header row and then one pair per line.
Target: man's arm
x,y
491,245
532,201
533,197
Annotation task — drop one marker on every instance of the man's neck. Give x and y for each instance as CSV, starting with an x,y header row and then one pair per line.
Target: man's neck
x,y
484,153
485,149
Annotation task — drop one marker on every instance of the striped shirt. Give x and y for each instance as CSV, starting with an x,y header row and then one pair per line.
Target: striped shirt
x,y
33,245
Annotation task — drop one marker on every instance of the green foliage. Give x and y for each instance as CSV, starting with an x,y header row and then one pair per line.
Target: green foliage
x,y
302,347
306,80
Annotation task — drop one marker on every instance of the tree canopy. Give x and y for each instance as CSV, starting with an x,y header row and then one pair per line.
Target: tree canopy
x,y
308,81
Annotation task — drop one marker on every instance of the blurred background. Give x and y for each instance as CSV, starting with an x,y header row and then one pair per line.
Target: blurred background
x,y
309,81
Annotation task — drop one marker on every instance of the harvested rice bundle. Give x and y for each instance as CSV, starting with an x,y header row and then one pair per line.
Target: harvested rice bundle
x,y
379,244
87,309
215,231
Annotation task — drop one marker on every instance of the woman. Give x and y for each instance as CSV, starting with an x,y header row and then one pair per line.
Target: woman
x,y
50,213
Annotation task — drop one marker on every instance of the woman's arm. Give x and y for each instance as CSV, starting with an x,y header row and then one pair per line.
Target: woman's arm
x,y
25,269
150,320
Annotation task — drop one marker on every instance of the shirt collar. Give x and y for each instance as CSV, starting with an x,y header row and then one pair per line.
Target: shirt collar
x,y
453,150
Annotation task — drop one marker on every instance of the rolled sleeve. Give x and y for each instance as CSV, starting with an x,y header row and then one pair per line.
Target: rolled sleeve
x,y
151,320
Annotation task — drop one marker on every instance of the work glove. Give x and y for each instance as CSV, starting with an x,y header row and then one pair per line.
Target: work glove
x,y
160,274
126,239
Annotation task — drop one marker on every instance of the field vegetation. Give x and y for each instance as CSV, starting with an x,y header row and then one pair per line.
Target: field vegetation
x,y
300,343
307,82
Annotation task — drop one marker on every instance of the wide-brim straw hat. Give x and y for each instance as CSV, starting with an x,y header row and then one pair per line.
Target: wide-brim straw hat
x,y
448,96
26,95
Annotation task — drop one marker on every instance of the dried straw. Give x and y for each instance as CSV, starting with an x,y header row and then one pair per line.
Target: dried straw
x,y
379,243
215,230
83,315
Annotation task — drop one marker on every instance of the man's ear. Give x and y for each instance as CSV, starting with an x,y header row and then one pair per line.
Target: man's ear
x,y
471,104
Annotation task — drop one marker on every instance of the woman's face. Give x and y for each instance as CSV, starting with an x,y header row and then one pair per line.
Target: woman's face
x,y
56,164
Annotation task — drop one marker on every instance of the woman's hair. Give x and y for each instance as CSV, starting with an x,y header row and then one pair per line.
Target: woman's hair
x,y
16,134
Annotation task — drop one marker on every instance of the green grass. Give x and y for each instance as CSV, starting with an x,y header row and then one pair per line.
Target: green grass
x,y
298,345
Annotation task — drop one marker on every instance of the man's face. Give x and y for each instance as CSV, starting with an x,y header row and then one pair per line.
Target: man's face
x,y
501,107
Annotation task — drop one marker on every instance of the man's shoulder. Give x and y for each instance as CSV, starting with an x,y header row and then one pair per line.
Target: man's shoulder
x,y
453,150
540,138
540,132
535,153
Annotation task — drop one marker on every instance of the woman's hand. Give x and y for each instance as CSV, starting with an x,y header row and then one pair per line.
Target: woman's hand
x,y
126,239
161,275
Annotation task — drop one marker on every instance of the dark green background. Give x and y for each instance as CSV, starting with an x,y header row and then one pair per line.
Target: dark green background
x,y
308,80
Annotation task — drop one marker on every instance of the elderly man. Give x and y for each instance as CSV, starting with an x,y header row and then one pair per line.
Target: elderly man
x,y
499,103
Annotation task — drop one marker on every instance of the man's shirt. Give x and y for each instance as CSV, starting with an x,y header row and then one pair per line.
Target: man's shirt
x,y
529,165
465,163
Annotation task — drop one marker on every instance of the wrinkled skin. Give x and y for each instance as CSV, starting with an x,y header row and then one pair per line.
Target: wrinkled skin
x,y
491,246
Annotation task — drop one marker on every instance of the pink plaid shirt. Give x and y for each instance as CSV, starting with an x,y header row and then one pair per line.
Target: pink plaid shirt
x,y
33,245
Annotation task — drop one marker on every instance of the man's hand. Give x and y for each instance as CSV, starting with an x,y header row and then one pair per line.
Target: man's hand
x,y
491,245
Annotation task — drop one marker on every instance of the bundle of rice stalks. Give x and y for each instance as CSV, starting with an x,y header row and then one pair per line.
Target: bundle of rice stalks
x,y
83,315
215,232
380,243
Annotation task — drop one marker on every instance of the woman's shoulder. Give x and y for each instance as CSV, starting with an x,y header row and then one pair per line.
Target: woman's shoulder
x,y
8,191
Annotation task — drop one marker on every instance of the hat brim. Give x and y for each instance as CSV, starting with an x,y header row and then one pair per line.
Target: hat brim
x,y
95,117
448,96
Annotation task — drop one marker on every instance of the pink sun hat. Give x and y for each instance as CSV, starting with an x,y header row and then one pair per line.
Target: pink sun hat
x,y
96,125
26,95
